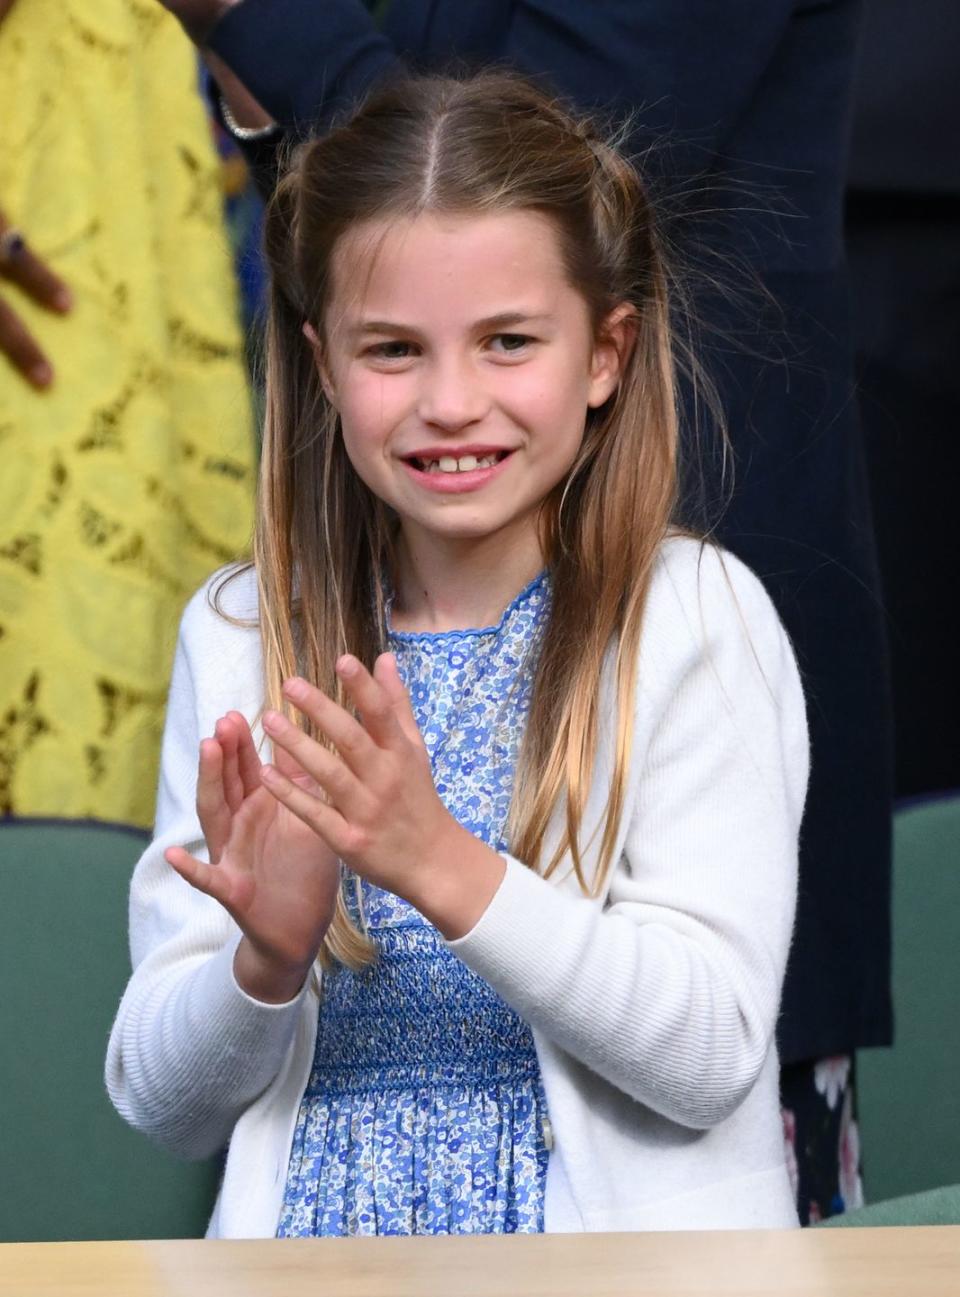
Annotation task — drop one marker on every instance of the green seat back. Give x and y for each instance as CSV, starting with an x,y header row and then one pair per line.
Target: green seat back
x,y
71,1169
935,1207
909,1096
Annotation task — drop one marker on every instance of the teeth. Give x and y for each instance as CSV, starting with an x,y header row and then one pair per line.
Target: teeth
x,y
465,464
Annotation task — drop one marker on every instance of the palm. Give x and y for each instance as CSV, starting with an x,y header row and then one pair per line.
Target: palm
x,y
279,879
276,878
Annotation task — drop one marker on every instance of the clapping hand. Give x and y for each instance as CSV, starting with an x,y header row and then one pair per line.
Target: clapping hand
x,y
276,833
373,800
269,870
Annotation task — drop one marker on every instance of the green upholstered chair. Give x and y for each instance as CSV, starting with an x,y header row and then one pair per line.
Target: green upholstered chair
x,y
71,1169
934,1207
909,1096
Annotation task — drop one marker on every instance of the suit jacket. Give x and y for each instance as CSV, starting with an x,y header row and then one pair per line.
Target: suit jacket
x,y
907,114
903,239
752,100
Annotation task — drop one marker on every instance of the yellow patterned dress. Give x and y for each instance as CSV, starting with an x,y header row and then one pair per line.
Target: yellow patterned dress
x,y
128,481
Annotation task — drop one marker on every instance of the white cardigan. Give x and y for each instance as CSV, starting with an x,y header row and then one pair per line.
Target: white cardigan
x,y
653,1009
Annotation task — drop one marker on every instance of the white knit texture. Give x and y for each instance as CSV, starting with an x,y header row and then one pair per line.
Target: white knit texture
x,y
653,1008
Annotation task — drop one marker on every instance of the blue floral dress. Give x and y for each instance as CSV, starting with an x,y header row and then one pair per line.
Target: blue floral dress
x,y
424,1112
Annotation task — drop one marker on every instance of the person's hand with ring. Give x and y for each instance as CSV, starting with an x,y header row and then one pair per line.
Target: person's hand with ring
x,y
22,268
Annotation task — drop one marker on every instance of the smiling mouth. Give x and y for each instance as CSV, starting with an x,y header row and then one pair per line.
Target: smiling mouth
x,y
458,464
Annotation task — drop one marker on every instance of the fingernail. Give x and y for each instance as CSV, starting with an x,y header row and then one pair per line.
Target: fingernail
x,y
347,665
62,299
41,375
272,720
294,687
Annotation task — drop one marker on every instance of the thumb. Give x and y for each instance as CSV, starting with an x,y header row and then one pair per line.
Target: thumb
x,y
387,675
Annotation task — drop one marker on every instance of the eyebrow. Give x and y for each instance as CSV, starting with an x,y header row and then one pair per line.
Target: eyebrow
x,y
503,320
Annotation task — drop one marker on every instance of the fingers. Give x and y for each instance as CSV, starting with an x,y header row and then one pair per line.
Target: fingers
x,y
247,756
288,765
333,776
225,733
229,773
19,346
231,884
372,701
241,762
25,269
378,720
387,675
324,819
205,878
356,742
212,809
21,266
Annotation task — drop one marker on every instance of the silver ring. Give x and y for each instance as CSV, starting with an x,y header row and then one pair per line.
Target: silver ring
x,y
12,246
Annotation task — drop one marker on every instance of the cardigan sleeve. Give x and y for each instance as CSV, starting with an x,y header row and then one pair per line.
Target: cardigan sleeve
x,y
189,1050
670,989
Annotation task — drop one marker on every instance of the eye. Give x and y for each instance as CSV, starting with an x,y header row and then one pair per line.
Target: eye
x,y
511,344
390,351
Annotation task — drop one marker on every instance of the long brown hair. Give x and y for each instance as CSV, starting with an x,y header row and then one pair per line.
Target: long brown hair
x,y
491,142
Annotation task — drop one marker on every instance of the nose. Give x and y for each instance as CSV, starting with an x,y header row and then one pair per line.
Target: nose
x,y
452,394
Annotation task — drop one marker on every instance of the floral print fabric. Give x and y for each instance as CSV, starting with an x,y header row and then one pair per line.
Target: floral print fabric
x,y
424,1112
821,1137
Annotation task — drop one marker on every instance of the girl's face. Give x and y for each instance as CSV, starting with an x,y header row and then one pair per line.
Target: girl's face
x,y
462,364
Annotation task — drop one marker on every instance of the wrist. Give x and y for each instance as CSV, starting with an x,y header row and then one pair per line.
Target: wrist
x,y
457,881
264,978
243,115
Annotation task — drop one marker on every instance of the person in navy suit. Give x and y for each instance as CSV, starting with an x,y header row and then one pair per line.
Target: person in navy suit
x,y
903,243
744,108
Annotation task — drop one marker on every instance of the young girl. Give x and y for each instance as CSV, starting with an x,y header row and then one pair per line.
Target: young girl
x,y
495,941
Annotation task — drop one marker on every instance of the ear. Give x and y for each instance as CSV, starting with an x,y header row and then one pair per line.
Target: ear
x,y
611,351
311,335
